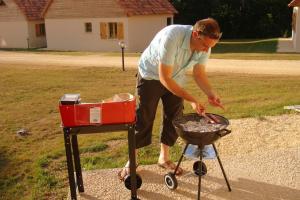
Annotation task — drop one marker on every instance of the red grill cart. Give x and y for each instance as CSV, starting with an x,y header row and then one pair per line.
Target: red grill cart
x,y
113,114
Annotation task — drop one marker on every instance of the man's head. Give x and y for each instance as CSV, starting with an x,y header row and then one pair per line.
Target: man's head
x,y
206,33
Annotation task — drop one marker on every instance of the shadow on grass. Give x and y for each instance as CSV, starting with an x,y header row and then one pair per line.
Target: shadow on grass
x,y
3,160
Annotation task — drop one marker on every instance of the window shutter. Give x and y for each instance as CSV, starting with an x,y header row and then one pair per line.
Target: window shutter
x,y
37,30
120,30
103,30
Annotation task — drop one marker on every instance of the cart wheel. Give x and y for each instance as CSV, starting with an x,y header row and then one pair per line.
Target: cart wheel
x,y
171,181
196,168
127,182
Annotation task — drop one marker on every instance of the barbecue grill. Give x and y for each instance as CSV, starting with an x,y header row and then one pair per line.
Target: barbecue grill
x,y
199,130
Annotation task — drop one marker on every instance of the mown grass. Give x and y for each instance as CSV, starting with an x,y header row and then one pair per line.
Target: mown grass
x,y
34,166
246,46
264,49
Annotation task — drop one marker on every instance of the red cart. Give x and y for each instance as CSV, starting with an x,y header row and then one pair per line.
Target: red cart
x,y
114,114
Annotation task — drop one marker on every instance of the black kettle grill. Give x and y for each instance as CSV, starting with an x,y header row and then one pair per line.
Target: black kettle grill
x,y
199,130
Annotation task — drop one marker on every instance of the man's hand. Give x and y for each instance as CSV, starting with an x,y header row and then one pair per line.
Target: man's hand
x,y
293,3
215,101
198,107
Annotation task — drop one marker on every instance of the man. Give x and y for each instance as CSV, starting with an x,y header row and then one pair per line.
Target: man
x,y
161,73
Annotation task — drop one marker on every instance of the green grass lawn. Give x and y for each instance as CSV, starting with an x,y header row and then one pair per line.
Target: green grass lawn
x,y
34,167
264,49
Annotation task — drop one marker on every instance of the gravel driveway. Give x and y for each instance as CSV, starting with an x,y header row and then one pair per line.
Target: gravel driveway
x,y
261,158
33,60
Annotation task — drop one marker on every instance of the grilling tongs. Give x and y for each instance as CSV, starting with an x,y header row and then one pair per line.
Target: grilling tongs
x,y
211,119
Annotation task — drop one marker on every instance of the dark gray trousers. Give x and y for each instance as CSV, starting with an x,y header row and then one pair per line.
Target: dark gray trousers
x,y
149,93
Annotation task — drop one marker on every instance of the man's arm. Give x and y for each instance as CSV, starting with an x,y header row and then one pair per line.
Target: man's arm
x,y
201,79
165,77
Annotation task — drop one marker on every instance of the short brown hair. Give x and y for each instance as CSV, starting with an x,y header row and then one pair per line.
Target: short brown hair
x,y
208,27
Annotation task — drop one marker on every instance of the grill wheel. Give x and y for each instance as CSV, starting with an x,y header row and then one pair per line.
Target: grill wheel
x,y
196,168
171,181
127,182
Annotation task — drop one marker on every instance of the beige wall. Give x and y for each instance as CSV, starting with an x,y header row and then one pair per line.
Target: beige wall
x,y
69,34
19,34
15,29
34,41
142,29
13,34
11,12
13,26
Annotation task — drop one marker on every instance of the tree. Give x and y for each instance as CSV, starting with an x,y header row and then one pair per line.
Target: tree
x,y
239,18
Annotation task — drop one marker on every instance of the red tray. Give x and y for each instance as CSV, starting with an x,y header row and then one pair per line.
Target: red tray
x,y
110,111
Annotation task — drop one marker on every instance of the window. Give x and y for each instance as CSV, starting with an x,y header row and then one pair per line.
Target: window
x,y
40,30
88,27
111,30
2,3
169,21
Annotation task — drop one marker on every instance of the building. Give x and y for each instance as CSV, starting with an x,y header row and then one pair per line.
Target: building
x,y
21,24
99,25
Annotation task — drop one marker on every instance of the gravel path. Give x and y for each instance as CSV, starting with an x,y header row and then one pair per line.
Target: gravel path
x,y
34,60
261,158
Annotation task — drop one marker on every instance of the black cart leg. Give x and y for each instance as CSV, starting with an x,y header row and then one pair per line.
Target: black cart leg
x,y
223,171
200,173
132,161
70,163
77,163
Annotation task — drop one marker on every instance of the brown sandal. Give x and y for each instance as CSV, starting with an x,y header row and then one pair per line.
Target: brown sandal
x,y
169,165
124,172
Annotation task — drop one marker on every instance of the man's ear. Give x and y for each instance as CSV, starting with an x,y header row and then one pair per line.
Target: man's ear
x,y
195,34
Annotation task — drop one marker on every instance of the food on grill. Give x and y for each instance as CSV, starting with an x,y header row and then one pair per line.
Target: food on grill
x,y
199,130
201,126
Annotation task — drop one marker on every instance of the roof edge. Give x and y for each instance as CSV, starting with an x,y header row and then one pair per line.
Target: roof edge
x,y
22,11
130,13
43,13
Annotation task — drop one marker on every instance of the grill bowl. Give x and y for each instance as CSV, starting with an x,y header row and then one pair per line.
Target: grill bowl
x,y
204,137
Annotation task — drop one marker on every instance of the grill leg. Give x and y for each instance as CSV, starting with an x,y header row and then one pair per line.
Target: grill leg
x,y
178,164
70,163
77,163
200,174
223,171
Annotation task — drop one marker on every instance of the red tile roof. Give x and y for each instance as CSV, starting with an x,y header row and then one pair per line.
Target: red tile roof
x,y
32,9
147,7
136,7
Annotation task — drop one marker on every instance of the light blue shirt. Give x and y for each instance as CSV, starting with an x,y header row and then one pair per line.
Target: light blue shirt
x,y
171,46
